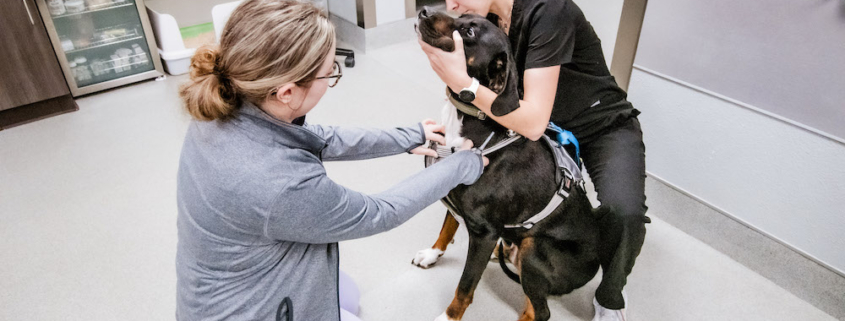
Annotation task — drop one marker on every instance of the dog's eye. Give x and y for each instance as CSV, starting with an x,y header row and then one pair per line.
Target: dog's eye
x,y
470,32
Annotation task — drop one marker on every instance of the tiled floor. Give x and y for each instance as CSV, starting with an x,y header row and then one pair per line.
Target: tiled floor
x,y
87,218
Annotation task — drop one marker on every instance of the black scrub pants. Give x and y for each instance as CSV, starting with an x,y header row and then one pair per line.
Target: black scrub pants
x,y
615,161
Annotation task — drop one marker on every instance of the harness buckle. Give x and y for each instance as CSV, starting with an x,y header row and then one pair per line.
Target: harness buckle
x,y
566,184
565,187
481,115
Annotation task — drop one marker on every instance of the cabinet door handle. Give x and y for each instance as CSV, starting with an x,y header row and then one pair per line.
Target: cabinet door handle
x,y
28,14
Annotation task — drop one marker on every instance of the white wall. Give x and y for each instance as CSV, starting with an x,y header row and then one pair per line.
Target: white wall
x,y
782,56
194,12
388,11
344,9
604,16
784,181
186,12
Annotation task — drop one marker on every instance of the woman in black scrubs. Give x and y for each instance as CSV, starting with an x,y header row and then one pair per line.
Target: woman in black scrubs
x,y
564,79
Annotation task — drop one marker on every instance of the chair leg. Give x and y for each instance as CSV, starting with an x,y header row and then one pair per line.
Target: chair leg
x,y
349,54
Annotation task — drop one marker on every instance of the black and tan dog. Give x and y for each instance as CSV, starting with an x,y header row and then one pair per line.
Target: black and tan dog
x,y
557,255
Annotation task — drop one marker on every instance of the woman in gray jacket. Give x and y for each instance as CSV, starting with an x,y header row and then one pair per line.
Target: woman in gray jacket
x,y
259,220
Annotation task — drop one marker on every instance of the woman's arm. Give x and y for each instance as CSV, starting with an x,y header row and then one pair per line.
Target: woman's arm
x,y
347,143
317,210
532,116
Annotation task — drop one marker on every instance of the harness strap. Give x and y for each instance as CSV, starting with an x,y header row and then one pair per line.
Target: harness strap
x,y
452,209
500,145
567,176
443,151
561,195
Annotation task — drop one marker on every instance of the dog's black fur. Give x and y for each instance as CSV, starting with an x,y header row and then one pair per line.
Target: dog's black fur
x,y
556,256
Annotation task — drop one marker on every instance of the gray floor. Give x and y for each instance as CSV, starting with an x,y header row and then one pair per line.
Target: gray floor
x,y
87,205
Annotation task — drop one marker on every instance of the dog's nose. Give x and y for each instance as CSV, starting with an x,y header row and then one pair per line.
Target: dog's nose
x,y
424,12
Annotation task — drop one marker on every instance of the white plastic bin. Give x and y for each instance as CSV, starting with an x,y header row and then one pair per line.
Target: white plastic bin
x,y
171,47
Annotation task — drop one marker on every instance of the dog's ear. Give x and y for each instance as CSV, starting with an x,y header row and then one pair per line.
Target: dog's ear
x,y
503,81
497,70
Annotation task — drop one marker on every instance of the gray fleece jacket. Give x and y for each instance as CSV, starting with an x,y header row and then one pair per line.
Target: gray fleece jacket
x,y
259,220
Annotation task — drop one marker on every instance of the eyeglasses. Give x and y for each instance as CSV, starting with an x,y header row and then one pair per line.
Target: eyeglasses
x,y
333,79
336,74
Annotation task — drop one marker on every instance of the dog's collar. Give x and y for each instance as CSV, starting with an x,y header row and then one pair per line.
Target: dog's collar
x,y
464,107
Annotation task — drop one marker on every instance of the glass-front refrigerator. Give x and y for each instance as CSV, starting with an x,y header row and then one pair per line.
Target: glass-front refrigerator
x,y
101,43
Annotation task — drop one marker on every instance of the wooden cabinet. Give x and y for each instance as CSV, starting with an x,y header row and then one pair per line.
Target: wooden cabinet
x,y
32,85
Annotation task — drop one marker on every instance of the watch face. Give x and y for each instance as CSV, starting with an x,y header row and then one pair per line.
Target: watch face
x,y
467,96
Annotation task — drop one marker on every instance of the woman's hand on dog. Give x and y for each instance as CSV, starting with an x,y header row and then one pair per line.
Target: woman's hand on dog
x,y
468,146
451,67
433,132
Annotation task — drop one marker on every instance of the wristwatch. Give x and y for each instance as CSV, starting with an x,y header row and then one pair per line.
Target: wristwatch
x,y
467,95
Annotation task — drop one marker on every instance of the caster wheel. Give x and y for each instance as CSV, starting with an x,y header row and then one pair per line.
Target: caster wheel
x,y
349,62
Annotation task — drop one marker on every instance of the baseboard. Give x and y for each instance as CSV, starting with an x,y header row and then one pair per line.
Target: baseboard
x,y
36,111
797,272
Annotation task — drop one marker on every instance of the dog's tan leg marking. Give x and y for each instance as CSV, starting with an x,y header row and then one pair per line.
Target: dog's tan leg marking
x,y
459,305
528,314
526,245
447,232
428,257
480,247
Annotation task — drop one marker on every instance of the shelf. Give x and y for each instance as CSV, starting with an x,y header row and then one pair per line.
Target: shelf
x,y
90,10
104,43
135,69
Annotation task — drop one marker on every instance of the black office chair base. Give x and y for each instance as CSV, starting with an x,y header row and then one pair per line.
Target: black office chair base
x,y
350,57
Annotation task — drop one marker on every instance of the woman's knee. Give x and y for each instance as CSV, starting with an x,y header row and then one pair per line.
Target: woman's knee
x,y
619,220
627,211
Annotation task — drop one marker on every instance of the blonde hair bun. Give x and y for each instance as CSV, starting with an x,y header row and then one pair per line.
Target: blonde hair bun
x,y
265,44
208,95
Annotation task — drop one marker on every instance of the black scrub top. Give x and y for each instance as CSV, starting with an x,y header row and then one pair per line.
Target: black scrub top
x,y
545,33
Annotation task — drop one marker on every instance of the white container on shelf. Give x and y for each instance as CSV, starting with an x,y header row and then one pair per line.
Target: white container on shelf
x,y
80,70
67,44
139,58
57,7
100,67
96,4
74,6
124,61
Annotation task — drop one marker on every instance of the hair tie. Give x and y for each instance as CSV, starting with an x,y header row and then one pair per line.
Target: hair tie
x,y
217,70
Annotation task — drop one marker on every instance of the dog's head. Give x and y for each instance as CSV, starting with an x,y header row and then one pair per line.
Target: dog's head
x,y
487,49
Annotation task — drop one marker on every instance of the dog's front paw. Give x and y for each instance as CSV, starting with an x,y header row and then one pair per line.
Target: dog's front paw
x,y
426,258
444,317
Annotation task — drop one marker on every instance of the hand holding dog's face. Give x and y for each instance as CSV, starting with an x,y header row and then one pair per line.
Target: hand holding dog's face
x,y
470,46
450,65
